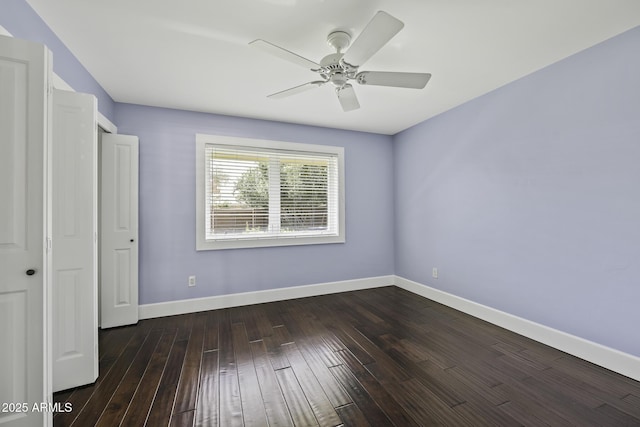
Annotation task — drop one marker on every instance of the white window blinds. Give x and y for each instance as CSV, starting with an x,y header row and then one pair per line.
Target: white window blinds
x,y
261,193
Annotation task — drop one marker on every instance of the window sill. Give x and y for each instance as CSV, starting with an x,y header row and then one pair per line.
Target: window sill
x,y
238,243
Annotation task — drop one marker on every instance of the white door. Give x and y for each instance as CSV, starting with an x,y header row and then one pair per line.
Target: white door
x,y
74,254
24,300
119,231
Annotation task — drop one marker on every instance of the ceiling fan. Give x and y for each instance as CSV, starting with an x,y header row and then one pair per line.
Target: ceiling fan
x,y
340,68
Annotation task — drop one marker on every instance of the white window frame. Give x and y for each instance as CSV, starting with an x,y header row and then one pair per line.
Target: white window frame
x,y
202,243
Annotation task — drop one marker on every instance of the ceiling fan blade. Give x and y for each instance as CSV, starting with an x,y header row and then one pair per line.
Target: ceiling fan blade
x,y
383,78
295,90
376,34
347,98
284,54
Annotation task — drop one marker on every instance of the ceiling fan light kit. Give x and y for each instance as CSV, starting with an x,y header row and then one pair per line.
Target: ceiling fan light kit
x,y
340,68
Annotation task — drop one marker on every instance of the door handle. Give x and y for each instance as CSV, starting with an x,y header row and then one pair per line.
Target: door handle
x,y
131,240
31,272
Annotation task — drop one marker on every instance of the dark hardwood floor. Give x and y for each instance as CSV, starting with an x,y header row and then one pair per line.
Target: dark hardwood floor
x,y
379,357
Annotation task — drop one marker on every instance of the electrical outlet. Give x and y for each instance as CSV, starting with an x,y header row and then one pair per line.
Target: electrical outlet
x,y
434,272
192,281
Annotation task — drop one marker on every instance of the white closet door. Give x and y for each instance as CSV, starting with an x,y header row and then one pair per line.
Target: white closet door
x,y
24,308
74,254
119,231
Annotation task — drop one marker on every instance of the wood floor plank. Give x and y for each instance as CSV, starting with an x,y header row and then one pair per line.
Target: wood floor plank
x,y
122,396
257,323
376,391
308,341
423,405
272,311
528,409
349,343
611,382
138,409
630,404
387,369
632,399
514,369
429,374
360,396
394,307
473,384
116,341
108,342
275,349
617,417
81,395
274,403
103,392
162,406
482,414
310,331
230,403
299,407
580,391
236,314
332,388
185,325
182,419
187,393
253,410
380,356
404,347
529,415
208,406
320,404
352,416
211,331
565,404
448,389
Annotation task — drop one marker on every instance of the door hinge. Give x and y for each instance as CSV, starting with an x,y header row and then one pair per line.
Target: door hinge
x,y
48,244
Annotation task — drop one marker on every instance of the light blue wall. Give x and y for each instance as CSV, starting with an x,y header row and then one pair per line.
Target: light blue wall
x,y
17,17
167,209
527,199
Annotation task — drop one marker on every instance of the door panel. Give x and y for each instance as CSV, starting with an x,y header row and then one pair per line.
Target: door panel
x,y
75,288
24,79
123,272
13,156
13,321
119,231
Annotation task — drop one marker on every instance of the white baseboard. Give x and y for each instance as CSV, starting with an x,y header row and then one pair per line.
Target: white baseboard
x,y
614,360
149,311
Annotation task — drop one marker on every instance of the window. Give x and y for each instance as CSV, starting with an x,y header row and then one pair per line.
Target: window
x,y
252,193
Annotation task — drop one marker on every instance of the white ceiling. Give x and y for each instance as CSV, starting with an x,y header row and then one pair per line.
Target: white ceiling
x,y
194,54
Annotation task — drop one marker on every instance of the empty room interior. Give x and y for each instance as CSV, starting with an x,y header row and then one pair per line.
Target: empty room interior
x,y
319,212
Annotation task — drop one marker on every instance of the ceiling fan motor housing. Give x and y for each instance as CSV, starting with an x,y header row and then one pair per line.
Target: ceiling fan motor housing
x,y
333,70
331,62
